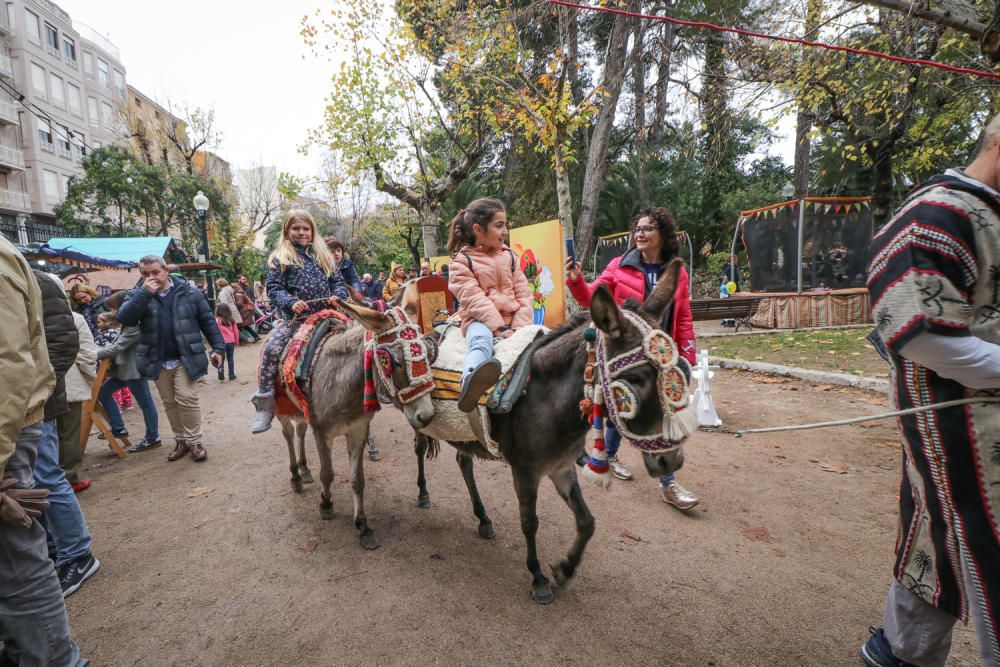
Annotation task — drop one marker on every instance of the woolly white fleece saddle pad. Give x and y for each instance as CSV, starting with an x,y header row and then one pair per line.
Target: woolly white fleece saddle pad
x,y
449,422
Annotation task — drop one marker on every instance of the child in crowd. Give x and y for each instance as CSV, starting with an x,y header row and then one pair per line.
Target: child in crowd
x,y
493,293
302,278
230,334
108,331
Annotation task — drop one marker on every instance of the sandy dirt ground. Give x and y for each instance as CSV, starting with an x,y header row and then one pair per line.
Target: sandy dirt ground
x,y
786,560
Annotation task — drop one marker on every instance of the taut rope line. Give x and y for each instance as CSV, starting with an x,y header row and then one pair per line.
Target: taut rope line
x,y
867,418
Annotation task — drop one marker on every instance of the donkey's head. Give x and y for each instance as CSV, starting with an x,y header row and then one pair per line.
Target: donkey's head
x,y
402,357
641,373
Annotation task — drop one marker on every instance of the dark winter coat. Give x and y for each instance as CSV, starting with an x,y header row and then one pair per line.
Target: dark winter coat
x,y
373,290
293,283
349,273
91,311
61,338
192,318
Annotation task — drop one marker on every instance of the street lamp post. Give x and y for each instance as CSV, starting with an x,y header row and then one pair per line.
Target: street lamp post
x,y
201,205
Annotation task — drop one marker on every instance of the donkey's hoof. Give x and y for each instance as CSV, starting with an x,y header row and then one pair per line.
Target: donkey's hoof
x,y
424,500
560,575
486,531
542,593
307,477
326,513
297,485
369,541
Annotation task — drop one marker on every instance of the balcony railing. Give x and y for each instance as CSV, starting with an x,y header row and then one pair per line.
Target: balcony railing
x,y
47,146
6,66
39,232
63,151
8,113
15,201
11,157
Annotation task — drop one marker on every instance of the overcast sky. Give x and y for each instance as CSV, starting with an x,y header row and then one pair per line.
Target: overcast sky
x,y
245,59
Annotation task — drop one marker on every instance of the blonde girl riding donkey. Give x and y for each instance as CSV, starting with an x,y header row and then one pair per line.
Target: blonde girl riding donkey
x,y
301,279
493,294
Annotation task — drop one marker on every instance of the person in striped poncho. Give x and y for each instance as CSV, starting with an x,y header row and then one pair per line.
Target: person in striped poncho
x,y
934,280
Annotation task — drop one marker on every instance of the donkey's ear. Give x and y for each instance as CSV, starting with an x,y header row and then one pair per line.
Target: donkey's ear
x,y
656,304
411,299
369,318
605,313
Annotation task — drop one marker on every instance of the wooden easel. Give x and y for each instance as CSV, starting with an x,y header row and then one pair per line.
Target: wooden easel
x,y
94,413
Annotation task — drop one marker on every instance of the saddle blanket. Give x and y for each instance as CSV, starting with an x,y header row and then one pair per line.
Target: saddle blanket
x,y
301,353
449,422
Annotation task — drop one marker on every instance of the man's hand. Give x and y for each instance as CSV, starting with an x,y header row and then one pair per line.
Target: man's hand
x,y
19,506
216,359
151,285
300,307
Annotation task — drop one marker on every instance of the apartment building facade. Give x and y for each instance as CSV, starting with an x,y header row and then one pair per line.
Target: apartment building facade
x,y
64,86
151,130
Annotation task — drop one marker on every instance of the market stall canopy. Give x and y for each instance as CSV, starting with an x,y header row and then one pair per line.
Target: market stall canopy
x,y
129,249
63,262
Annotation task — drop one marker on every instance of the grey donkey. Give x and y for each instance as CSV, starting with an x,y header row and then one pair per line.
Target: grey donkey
x,y
545,432
335,407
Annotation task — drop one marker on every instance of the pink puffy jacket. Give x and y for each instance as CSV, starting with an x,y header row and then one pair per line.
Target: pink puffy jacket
x,y
490,288
625,278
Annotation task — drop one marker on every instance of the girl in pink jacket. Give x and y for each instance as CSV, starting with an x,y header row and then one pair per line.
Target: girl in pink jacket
x,y
230,335
494,298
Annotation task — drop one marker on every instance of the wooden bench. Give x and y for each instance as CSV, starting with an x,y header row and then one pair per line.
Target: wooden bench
x,y
740,308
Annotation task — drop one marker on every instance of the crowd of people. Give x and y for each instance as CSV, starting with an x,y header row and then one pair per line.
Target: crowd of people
x,y
929,280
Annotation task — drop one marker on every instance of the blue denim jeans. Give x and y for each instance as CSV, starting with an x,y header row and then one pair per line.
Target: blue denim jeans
x,y
63,518
479,339
143,396
613,440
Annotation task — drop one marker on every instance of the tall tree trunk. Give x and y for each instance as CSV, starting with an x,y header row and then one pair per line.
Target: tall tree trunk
x,y
882,186
429,219
803,120
563,197
715,119
597,159
639,143
666,45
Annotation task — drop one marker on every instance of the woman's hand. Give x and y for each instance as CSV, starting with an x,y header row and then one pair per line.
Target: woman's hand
x,y
300,307
572,269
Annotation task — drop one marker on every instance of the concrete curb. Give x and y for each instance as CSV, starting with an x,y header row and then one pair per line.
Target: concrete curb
x,y
765,332
875,385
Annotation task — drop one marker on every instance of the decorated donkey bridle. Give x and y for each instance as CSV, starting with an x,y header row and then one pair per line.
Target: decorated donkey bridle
x,y
619,397
418,355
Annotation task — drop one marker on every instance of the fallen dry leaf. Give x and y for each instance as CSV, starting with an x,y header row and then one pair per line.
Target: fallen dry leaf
x,y
309,546
834,466
200,491
767,379
630,536
757,534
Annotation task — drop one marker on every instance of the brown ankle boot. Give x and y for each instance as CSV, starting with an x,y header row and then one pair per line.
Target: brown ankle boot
x,y
179,451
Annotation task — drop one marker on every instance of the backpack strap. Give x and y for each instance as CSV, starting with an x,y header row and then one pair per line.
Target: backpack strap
x,y
468,260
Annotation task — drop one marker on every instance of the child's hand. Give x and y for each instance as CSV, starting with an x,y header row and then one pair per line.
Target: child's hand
x,y
572,269
334,301
300,307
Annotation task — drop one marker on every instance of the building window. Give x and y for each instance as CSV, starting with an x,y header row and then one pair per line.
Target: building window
x,y
92,112
88,65
96,144
56,86
163,153
62,142
65,183
74,99
107,114
45,134
102,73
138,103
119,82
51,183
10,16
38,80
69,48
34,27
52,40
79,150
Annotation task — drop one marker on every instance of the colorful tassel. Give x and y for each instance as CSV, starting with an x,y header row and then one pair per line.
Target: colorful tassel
x,y
597,468
370,402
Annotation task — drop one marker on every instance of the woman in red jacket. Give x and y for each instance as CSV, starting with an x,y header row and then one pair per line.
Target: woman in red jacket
x,y
633,276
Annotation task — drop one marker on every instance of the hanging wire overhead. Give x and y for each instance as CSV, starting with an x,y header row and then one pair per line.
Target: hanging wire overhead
x,y
40,113
778,38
